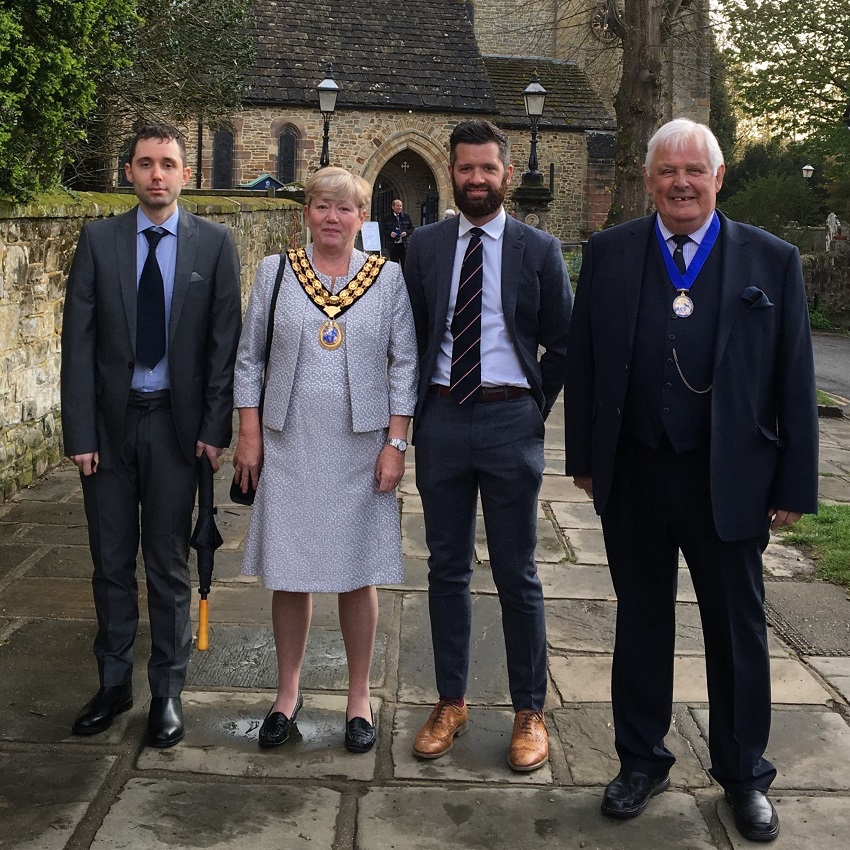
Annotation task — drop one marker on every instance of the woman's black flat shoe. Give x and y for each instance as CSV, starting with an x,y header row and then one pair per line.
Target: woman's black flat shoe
x,y
360,735
276,726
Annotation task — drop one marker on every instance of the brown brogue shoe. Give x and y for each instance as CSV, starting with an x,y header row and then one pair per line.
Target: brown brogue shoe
x,y
437,736
529,741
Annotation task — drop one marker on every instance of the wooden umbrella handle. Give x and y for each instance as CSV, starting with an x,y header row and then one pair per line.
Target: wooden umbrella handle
x,y
203,625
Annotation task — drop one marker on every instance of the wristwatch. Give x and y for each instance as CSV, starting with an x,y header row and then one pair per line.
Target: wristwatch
x,y
397,443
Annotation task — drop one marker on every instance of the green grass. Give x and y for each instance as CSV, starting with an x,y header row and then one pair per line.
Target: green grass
x,y
827,536
826,399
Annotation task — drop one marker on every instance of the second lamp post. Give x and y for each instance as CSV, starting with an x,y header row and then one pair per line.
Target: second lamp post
x,y
327,91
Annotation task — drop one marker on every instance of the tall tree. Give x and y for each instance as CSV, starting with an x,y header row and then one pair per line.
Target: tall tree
x,y
792,67
52,54
186,65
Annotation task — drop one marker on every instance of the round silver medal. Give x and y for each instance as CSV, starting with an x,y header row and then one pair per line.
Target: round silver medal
x,y
683,306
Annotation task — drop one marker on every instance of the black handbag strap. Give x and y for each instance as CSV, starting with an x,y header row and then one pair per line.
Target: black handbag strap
x,y
270,330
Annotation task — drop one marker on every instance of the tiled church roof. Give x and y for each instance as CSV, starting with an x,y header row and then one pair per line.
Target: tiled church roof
x,y
388,54
571,103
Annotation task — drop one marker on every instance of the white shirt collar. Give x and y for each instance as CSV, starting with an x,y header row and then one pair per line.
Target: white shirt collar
x,y
494,228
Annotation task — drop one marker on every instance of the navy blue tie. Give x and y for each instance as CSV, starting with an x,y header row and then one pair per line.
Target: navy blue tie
x,y
678,253
466,323
150,306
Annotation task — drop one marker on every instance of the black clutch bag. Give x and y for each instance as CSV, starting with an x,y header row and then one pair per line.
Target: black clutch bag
x,y
240,498
236,494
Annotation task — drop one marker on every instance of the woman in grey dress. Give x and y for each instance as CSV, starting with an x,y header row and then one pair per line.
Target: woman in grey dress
x,y
340,391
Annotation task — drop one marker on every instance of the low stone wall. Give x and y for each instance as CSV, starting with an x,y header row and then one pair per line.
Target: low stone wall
x,y
827,278
37,243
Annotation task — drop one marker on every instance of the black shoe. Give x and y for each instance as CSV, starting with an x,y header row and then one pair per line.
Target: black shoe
x,y
276,726
100,711
165,722
628,793
360,735
755,817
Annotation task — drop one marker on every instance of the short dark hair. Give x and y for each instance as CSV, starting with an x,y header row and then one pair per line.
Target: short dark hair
x,y
163,132
477,132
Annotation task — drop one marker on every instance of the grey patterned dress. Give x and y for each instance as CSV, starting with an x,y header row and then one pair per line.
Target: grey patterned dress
x,y
318,523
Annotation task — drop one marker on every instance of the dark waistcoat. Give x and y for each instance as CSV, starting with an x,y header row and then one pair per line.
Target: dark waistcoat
x,y
659,400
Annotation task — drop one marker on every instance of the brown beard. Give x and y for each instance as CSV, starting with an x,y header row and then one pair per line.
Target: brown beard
x,y
480,206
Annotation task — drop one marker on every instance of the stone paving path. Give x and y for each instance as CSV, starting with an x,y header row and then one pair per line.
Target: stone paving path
x,y
217,789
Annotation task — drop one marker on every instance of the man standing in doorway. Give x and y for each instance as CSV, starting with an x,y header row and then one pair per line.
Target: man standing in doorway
x,y
397,229
151,325
487,293
691,421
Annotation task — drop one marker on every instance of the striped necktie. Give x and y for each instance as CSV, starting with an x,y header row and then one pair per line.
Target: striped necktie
x,y
466,323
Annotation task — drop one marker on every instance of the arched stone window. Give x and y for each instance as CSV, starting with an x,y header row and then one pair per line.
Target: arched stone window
x,y
287,154
222,165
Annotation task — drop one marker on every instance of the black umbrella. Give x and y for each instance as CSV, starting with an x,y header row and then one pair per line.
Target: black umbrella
x,y
205,540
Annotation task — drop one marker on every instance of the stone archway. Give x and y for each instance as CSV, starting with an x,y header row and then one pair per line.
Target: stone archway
x,y
414,168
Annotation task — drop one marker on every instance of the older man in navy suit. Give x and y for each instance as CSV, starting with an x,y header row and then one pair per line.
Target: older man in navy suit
x,y
487,293
691,420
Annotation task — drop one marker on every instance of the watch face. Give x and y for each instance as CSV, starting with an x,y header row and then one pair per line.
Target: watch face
x,y
399,444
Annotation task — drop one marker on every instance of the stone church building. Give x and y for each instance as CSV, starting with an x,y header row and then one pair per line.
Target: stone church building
x,y
408,73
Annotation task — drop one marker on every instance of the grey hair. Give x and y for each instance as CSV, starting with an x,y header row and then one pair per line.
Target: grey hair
x,y
677,133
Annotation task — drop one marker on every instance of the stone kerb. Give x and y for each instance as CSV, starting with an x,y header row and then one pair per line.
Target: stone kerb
x,y
37,244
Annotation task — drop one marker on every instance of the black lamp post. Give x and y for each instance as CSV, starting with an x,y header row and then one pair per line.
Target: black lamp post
x,y
327,91
535,99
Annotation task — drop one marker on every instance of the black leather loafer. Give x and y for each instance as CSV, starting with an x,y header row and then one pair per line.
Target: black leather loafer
x,y
102,708
360,735
755,817
276,727
165,722
629,792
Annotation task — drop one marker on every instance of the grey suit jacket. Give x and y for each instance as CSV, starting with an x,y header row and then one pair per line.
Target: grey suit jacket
x,y
99,335
764,431
379,347
536,301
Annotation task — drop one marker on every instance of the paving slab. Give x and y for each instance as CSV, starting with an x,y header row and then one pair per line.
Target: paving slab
x,y
560,488
74,535
588,679
834,489
244,657
13,555
784,561
154,814
804,822
41,597
221,738
416,577
57,485
429,818
480,755
575,515
488,678
811,748
48,674
43,799
549,549
813,617
587,545
836,671
587,735
65,514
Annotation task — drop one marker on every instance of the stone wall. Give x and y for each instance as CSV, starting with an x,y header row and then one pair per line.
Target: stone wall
x,y
827,278
37,243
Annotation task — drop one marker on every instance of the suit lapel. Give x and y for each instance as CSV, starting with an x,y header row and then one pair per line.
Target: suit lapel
x,y
187,246
734,277
513,249
444,247
634,258
125,249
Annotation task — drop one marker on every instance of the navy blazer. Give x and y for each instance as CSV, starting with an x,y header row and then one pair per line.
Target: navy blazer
x,y
99,335
536,301
764,430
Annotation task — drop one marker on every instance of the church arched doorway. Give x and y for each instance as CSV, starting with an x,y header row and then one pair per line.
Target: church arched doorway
x,y
408,177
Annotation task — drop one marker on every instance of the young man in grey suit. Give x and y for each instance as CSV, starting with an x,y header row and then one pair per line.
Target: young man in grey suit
x,y
151,325
487,293
691,421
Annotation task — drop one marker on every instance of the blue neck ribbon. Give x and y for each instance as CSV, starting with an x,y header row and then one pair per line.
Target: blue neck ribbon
x,y
682,282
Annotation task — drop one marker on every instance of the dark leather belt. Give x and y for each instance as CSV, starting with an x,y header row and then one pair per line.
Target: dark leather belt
x,y
150,401
485,394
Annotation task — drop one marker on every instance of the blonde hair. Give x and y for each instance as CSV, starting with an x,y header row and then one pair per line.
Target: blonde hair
x,y
338,185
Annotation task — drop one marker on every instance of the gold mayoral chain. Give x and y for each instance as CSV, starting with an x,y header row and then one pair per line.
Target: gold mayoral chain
x,y
330,333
